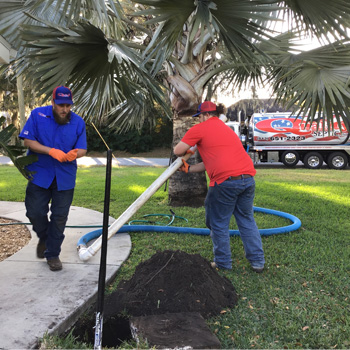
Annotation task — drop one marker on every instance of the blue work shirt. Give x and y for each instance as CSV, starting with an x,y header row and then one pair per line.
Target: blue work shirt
x,y
42,127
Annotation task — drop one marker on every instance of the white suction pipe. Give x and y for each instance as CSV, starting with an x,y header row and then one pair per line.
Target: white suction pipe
x,y
85,253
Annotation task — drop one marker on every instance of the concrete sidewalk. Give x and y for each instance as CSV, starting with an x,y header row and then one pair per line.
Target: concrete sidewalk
x,y
100,161
35,300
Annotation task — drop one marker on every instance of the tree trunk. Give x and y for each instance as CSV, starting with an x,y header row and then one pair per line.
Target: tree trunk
x,y
21,106
186,189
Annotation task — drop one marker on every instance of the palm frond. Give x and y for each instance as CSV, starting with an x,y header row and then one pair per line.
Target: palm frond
x,y
16,13
320,16
316,81
102,73
172,16
133,112
97,8
15,153
235,22
243,24
12,15
240,76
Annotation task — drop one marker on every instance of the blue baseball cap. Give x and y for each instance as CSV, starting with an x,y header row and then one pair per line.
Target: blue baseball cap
x,y
62,95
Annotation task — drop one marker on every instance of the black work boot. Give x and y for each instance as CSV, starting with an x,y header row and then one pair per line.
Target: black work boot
x,y
55,264
40,249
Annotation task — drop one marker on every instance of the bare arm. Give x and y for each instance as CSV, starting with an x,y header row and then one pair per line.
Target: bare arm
x,y
81,152
181,148
197,168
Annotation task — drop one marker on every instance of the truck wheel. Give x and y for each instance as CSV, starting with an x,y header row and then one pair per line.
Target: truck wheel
x,y
290,158
337,160
313,160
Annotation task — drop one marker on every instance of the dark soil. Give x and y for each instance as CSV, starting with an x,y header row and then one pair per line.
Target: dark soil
x,y
173,281
169,282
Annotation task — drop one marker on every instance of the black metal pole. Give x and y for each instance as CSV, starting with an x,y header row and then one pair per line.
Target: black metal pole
x,y
103,260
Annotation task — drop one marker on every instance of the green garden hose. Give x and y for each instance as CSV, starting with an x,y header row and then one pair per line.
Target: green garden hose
x,y
171,218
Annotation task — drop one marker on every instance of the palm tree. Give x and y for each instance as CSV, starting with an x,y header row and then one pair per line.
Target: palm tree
x,y
106,50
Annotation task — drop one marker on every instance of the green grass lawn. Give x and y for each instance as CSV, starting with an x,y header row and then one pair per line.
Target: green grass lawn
x,y
302,300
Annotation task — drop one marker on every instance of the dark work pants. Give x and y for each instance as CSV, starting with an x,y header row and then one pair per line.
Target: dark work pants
x,y
37,205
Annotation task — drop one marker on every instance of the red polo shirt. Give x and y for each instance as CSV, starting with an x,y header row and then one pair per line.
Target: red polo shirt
x,y
221,150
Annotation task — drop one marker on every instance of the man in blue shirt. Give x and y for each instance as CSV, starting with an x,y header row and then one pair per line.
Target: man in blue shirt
x,y
58,137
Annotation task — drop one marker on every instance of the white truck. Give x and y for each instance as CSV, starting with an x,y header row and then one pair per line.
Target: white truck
x,y
280,137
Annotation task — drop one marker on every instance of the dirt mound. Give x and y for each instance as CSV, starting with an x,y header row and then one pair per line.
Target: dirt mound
x,y
171,282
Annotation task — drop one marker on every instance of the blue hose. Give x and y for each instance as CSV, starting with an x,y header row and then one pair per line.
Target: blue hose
x,y
200,231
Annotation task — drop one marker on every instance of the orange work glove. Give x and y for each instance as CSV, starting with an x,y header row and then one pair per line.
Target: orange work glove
x,y
192,150
72,155
184,167
58,154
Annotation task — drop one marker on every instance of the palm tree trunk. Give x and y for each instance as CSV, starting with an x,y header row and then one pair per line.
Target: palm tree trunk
x,y
186,189
21,106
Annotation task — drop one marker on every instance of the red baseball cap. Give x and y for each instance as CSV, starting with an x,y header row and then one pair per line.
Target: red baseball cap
x,y
62,95
206,106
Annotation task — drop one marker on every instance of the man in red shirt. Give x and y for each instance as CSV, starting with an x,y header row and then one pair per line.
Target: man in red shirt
x,y
231,189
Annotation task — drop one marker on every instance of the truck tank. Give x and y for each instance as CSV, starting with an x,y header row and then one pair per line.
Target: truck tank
x,y
267,129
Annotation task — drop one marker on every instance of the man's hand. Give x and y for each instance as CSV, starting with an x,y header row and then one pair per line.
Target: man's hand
x,y
184,167
192,150
72,155
58,154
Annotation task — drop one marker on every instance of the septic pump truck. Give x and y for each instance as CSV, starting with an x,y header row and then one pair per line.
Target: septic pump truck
x,y
282,137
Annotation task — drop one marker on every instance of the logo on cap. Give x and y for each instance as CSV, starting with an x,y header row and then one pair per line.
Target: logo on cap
x,y
62,95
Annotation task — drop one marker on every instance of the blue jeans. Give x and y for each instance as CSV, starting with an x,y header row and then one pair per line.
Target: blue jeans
x,y
233,197
37,205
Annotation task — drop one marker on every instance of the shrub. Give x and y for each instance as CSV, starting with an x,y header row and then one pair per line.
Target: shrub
x,y
132,141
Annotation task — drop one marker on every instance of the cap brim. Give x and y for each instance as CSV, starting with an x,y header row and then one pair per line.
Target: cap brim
x,y
195,115
63,102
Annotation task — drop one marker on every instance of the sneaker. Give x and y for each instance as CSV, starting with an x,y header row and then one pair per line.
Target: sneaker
x,y
40,250
55,264
215,266
258,269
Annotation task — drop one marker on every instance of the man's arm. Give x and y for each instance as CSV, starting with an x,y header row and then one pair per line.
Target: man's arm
x,y
181,148
36,147
197,168
81,152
